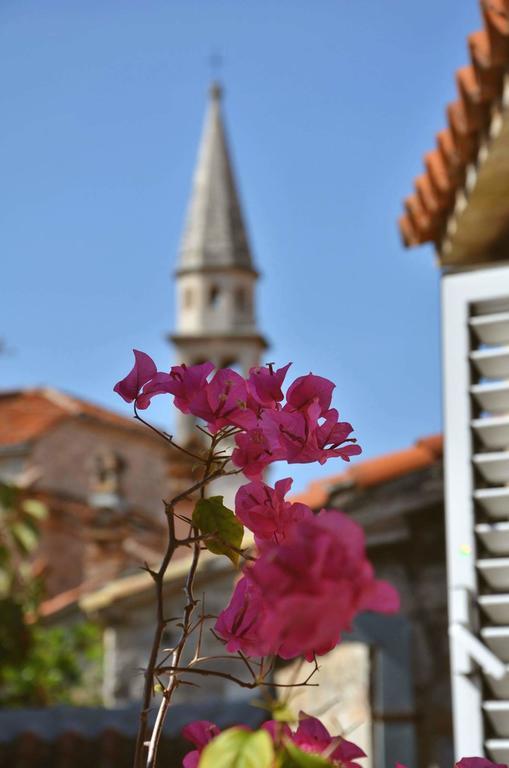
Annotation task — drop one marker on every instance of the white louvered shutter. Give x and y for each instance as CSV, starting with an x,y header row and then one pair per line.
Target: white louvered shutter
x,y
476,410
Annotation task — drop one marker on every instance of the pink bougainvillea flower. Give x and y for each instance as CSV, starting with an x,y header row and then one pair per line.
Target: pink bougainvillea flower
x,y
478,762
265,512
222,402
303,612
278,731
257,448
280,608
298,437
307,390
313,737
310,435
239,624
159,384
264,385
143,370
188,382
199,733
185,383
145,381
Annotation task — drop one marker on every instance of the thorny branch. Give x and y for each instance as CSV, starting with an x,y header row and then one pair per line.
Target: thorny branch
x,y
260,671
158,577
242,683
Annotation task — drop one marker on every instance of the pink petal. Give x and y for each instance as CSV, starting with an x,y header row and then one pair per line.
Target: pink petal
x,y
143,370
200,732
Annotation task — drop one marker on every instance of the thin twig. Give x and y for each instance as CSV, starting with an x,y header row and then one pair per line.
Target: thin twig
x,y
158,577
148,688
177,654
243,683
168,438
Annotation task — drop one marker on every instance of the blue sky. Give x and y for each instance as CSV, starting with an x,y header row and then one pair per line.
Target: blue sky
x,y
330,105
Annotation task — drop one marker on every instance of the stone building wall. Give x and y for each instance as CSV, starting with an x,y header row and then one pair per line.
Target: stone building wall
x,y
405,534
66,455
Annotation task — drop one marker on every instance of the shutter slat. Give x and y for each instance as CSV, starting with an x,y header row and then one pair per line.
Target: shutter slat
x,y
492,363
494,537
498,715
497,639
498,750
496,608
494,501
491,329
492,431
492,397
495,571
494,467
499,688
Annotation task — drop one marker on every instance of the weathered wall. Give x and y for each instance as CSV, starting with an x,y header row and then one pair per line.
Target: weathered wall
x,y
66,454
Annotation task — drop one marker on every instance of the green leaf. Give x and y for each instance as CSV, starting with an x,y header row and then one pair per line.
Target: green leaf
x,y
25,536
282,713
293,757
211,516
237,748
8,496
35,509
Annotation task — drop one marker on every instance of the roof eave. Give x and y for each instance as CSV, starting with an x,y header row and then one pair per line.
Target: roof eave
x,y
477,229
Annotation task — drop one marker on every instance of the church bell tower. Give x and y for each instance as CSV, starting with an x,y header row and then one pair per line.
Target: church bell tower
x,y
215,278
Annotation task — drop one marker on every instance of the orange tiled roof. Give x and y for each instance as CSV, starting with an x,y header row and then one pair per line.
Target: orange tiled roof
x,y
27,414
479,87
373,472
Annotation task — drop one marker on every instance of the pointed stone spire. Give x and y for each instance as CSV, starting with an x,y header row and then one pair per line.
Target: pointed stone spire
x,y
215,234
215,279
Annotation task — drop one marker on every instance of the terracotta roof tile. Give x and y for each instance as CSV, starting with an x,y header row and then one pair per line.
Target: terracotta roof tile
x,y
479,87
27,414
497,28
438,175
373,472
410,233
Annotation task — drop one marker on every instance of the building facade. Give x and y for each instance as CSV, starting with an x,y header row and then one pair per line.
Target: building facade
x,y
101,476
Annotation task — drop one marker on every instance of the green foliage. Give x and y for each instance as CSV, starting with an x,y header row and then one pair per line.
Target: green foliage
x,y
39,665
19,536
53,668
238,748
293,757
212,517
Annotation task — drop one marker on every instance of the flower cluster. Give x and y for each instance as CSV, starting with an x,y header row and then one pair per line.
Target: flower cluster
x,y
300,428
311,576
310,736
303,591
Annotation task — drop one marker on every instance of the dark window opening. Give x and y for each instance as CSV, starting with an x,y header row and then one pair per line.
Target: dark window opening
x,y
188,298
214,293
